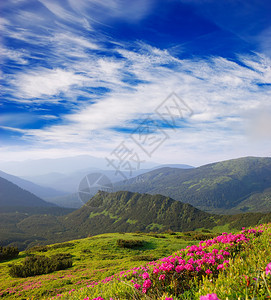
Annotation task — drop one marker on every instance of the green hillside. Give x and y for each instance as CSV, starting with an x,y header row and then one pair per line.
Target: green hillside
x,y
237,185
94,258
127,212
115,212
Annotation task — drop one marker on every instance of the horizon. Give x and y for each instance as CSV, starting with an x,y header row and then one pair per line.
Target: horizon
x,y
162,82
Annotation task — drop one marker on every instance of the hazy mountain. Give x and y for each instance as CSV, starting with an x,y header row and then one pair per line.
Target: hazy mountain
x,y
40,191
68,201
70,182
13,195
235,185
65,165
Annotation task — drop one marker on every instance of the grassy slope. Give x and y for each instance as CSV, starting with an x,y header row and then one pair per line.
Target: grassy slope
x,y
244,278
94,258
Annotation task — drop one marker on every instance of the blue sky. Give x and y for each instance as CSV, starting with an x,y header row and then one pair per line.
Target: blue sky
x,y
80,76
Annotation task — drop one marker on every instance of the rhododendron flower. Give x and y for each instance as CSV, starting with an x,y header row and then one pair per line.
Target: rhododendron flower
x,y
209,297
145,275
144,290
179,268
162,277
268,269
137,286
147,283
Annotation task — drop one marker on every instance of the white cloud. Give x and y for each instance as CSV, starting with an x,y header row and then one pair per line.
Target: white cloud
x,y
217,128
46,82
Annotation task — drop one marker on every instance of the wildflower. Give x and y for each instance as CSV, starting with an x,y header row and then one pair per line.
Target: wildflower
x,y
162,277
145,275
147,283
268,269
209,297
208,271
137,286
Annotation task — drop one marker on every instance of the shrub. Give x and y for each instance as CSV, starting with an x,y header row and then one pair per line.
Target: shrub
x,y
143,258
130,243
37,265
63,245
38,249
8,252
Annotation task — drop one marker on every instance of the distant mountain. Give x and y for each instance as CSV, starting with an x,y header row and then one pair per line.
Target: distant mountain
x,y
237,185
64,165
68,201
70,182
12,195
40,191
177,166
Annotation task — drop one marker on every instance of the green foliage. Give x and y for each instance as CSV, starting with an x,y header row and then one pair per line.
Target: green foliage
x,y
63,245
37,265
130,243
38,249
8,253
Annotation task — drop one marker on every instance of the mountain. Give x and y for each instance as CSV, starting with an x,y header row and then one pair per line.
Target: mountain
x,y
177,166
127,212
40,191
70,182
232,186
64,165
114,212
13,195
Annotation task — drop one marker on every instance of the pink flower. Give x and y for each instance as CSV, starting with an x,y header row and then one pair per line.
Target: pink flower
x,y
208,271
168,298
144,290
189,267
137,286
162,277
220,267
147,283
209,297
145,275
179,268
268,269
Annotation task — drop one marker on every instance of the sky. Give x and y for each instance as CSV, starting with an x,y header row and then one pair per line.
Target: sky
x,y
134,81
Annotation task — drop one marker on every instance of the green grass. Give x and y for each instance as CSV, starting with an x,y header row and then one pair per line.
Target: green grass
x,y
94,258
244,278
98,257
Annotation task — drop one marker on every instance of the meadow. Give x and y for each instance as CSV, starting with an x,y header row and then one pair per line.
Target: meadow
x,y
166,266
230,266
94,258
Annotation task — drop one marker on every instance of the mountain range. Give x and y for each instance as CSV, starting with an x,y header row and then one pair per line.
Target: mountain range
x,y
115,212
233,186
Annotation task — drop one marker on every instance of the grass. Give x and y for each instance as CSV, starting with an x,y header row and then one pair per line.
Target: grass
x,y
97,258
94,258
243,278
